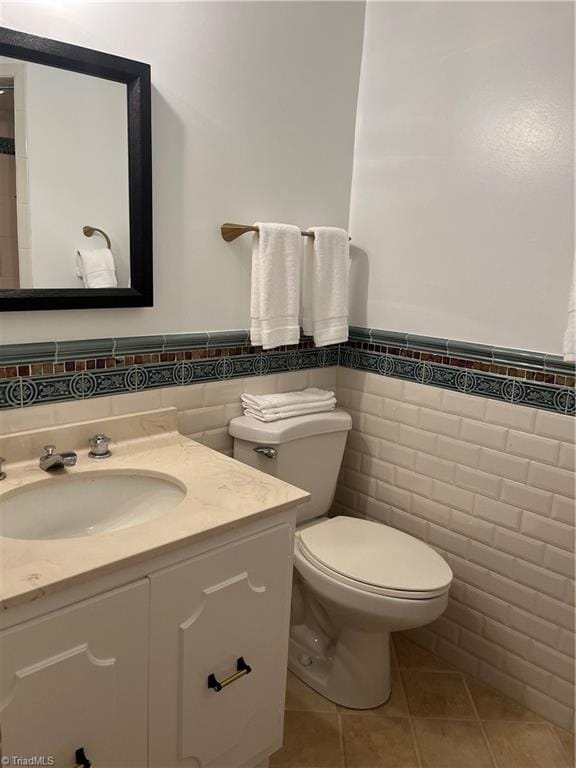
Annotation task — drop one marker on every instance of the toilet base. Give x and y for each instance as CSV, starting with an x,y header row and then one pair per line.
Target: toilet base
x,y
354,671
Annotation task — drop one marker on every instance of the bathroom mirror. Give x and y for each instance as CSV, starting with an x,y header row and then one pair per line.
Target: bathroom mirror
x,y
75,177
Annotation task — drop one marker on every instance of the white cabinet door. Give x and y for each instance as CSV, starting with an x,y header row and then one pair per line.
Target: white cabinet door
x,y
231,603
78,678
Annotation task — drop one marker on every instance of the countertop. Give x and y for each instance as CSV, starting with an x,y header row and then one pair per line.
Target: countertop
x,y
220,494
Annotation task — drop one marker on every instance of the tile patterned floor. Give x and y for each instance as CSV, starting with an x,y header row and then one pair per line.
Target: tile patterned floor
x,y
435,718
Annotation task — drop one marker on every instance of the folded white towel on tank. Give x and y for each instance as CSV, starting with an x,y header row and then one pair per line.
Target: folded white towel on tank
x,y
287,405
267,416
307,396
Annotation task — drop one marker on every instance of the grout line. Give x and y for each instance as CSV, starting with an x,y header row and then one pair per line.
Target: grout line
x,y
480,722
555,736
341,740
410,721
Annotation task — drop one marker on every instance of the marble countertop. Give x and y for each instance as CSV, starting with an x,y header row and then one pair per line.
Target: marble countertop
x,y
220,494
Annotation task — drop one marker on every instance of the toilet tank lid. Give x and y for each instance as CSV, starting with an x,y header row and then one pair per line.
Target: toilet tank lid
x,y
285,430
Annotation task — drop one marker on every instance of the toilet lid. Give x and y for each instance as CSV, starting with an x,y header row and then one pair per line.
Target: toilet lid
x,y
376,555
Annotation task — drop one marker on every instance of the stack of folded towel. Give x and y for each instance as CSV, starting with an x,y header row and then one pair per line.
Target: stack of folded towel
x,y
288,404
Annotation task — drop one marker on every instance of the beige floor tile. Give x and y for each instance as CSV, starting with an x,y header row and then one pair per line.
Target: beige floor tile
x,y
378,742
396,706
493,705
450,744
524,745
302,698
567,742
434,694
412,656
311,740
393,656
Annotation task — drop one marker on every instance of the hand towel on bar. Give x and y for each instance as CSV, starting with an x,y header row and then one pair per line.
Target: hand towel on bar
x,y
96,268
275,299
570,334
307,396
261,416
325,286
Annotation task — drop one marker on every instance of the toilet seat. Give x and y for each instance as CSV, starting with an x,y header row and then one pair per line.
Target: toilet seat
x,y
375,558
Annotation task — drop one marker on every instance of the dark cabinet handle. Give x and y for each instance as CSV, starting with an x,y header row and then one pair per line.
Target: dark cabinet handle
x,y
81,759
241,669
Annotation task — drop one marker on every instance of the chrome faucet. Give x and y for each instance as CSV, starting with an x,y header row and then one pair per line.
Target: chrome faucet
x,y
51,460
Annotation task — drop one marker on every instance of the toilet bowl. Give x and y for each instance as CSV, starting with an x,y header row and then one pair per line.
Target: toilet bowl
x,y
355,580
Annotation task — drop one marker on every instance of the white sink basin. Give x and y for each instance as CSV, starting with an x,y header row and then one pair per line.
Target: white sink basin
x,y
85,504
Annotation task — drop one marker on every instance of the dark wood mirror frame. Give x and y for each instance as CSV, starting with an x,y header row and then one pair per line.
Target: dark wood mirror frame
x,y
136,76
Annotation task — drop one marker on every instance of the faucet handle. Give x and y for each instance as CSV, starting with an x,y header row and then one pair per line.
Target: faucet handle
x,y
99,446
2,473
49,450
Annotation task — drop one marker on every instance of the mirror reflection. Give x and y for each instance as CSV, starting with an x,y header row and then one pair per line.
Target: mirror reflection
x,y
64,194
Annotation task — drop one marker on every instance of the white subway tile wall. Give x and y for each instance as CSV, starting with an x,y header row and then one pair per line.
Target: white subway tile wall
x,y
491,487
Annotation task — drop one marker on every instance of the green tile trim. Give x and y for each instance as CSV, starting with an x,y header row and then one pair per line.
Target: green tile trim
x,y
467,351
519,357
390,338
228,338
428,344
557,364
504,356
19,354
55,371
138,345
177,342
357,333
81,349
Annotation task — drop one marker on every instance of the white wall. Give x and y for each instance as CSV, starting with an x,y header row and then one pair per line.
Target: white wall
x,y
77,137
462,197
253,118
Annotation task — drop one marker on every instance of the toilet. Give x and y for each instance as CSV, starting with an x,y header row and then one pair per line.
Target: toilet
x,y
355,581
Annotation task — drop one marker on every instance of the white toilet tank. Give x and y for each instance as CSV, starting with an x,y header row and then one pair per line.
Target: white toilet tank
x,y
305,451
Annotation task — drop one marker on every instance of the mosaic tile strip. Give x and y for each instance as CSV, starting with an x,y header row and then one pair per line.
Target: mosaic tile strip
x,y
426,369
463,353
54,371
135,373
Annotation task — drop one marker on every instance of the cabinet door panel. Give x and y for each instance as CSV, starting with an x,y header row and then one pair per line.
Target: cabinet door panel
x,y
78,678
230,603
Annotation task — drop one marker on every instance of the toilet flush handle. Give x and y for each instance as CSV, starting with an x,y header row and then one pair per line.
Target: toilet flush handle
x,y
266,450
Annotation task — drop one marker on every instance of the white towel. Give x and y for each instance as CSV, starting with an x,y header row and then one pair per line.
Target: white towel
x,y
325,286
570,334
96,268
272,402
275,299
293,410
265,416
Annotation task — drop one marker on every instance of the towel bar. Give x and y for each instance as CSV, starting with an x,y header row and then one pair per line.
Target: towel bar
x,y
89,231
232,231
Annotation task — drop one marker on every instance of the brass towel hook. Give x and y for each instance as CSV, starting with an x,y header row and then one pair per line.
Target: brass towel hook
x,y
89,231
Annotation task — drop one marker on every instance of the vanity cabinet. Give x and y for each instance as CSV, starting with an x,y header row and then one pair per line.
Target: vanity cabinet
x,y
125,674
78,678
222,613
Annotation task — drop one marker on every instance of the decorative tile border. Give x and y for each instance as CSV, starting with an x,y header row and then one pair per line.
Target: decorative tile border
x,y
514,376
517,363
7,146
136,367
48,372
